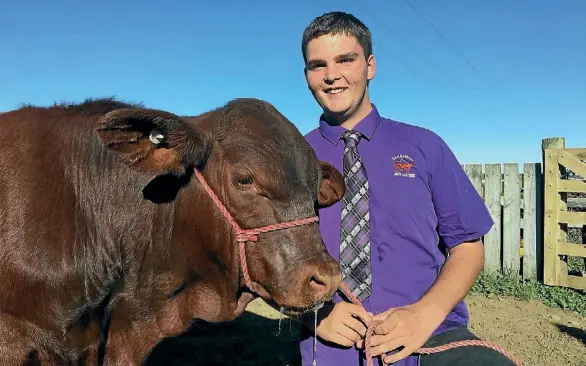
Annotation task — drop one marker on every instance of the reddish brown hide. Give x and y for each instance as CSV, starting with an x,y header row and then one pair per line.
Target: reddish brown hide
x,y
109,243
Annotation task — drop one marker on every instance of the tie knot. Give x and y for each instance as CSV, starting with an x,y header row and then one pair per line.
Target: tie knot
x,y
351,138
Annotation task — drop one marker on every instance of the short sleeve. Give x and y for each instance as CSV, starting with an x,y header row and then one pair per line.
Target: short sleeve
x,y
461,212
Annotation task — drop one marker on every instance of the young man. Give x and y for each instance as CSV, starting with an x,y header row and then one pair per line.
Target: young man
x,y
408,201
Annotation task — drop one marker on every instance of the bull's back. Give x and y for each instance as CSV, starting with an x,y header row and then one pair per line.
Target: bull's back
x,y
37,208
66,204
36,153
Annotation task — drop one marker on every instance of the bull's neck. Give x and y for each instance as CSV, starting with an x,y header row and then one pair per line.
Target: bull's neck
x,y
208,251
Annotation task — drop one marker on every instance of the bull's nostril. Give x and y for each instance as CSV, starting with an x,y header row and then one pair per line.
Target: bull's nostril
x,y
317,281
318,284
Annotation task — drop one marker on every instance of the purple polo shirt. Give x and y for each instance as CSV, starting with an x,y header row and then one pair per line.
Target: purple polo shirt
x,y
421,201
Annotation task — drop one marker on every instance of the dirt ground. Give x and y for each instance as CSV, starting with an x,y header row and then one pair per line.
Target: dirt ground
x,y
533,332
536,334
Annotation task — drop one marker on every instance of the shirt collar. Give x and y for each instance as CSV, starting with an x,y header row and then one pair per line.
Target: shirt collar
x,y
366,126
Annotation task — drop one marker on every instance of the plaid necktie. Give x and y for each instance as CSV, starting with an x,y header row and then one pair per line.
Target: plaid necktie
x,y
355,229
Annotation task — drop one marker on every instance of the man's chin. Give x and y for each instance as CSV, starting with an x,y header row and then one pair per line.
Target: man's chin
x,y
336,116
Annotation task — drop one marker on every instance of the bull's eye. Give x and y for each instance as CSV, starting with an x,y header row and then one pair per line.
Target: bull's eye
x,y
244,180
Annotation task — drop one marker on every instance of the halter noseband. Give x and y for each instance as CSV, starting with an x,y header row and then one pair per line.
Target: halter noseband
x,y
244,235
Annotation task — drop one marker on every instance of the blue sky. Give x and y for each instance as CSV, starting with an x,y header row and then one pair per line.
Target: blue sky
x,y
512,73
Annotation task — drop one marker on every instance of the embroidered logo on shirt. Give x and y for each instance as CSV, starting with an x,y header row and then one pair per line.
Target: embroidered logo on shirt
x,y
403,165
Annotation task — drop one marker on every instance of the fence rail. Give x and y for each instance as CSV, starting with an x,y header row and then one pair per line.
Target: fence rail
x,y
532,209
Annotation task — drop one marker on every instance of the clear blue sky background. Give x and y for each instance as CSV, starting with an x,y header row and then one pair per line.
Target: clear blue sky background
x,y
515,71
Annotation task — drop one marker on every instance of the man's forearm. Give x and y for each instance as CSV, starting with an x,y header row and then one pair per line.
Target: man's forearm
x,y
456,278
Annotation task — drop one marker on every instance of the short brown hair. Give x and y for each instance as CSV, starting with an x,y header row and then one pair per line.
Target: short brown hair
x,y
337,22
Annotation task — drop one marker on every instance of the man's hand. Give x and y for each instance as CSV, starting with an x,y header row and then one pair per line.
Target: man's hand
x,y
411,326
345,325
407,327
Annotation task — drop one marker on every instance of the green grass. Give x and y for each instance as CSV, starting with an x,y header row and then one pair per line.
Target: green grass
x,y
559,297
576,265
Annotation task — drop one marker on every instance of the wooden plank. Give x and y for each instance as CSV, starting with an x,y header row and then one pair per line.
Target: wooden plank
x,y
562,261
560,264
566,185
579,153
474,173
511,220
572,249
532,237
573,218
550,222
522,187
577,282
492,199
577,203
571,163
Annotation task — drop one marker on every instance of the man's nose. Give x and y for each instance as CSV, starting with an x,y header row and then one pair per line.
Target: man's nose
x,y
331,75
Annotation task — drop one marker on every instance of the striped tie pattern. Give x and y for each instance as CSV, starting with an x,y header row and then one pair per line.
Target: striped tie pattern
x,y
355,225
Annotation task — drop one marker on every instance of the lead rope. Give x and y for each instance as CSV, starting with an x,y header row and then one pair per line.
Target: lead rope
x,y
427,350
243,236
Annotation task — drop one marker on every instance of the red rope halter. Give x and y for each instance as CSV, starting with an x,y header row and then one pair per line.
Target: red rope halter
x,y
244,235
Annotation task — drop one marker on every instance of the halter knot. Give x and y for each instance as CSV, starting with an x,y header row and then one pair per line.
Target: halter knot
x,y
244,236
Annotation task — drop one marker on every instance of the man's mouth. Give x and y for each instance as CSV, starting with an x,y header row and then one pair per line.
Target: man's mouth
x,y
334,91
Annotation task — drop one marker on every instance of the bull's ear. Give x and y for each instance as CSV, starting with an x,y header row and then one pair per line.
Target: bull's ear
x,y
154,141
332,187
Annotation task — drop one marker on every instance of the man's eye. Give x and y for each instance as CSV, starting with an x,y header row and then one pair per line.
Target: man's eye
x,y
315,66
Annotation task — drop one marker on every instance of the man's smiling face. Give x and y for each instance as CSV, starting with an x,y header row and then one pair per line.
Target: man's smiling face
x,y
337,74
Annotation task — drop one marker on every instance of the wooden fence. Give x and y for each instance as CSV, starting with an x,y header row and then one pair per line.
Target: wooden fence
x,y
523,240
514,202
565,173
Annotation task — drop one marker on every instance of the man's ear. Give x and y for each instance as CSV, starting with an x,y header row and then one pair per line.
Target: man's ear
x,y
332,187
153,141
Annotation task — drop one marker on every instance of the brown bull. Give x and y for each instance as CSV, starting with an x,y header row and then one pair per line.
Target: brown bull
x,y
108,242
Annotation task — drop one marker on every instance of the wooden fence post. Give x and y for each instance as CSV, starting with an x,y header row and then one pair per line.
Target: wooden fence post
x,y
492,199
554,202
474,172
511,220
532,222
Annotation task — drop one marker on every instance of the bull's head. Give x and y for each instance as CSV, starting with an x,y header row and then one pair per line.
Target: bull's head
x,y
263,171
